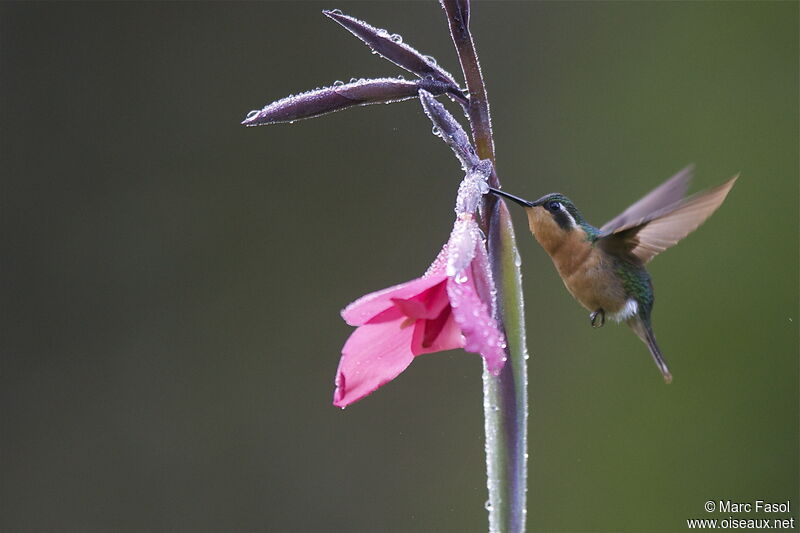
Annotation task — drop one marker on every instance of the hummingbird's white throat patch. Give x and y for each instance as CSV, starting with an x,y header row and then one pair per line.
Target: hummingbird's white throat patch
x,y
629,311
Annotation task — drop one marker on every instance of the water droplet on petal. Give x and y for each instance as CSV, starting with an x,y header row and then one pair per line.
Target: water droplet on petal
x,y
352,80
429,60
396,37
337,83
517,258
436,131
461,277
488,505
252,114
336,12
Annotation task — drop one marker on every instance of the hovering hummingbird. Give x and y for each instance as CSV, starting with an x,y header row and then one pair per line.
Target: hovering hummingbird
x,y
604,268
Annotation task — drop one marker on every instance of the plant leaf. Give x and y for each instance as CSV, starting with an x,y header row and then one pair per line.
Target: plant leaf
x,y
448,128
391,47
336,97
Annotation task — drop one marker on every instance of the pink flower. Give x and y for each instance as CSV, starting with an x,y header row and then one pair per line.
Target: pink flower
x,y
449,307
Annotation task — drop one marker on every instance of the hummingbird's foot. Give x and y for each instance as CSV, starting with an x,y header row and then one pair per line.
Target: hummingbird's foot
x,y
598,318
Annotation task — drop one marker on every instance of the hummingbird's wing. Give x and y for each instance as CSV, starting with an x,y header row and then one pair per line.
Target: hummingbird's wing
x,y
654,233
665,194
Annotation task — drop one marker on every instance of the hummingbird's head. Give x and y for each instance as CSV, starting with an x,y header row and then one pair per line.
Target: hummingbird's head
x,y
553,218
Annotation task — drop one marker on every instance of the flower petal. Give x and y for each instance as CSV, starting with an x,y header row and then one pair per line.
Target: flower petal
x,y
437,335
481,334
482,275
439,264
373,355
370,306
462,242
427,304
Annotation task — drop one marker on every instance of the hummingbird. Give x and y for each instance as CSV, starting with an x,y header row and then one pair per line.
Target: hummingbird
x,y
604,268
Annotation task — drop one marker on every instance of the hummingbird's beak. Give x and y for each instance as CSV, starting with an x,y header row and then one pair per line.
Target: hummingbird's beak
x,y
517,199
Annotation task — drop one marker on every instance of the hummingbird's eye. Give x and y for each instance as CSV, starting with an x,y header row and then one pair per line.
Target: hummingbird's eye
x,y
553,206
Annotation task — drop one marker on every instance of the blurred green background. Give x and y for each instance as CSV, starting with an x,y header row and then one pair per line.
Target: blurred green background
x,y
172,281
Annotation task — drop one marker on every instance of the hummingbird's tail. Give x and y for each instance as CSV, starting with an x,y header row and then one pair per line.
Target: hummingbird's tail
x,y
645,332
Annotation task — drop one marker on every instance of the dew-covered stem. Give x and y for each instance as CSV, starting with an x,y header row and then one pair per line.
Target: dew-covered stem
x,y
478,108
506,395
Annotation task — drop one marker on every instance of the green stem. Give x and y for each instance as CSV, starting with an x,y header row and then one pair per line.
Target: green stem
x,y
505,396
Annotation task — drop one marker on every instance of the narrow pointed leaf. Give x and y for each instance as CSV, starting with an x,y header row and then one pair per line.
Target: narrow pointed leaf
x,y
336,97
392,48
447,127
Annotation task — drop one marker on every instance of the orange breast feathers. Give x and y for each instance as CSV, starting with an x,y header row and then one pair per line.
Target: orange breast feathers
x,y
584,269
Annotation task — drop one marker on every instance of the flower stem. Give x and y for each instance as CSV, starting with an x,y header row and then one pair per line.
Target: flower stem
x,y
505,401
505,396
478,107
